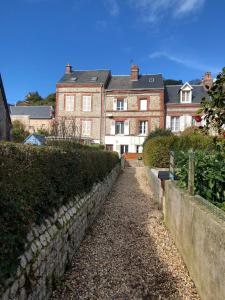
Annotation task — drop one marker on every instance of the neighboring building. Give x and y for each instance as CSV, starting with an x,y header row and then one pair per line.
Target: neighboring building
x,y
182,103
80,98
33,117
35,139
5,121
134,107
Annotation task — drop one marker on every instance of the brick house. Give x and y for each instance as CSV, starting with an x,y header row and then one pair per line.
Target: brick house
x,y
5,120
80,97
182,102
134,107
33,117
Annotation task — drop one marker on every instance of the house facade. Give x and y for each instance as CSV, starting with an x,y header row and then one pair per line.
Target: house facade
x,y
182,102
5,120
134,106
34,118
80,99
120,111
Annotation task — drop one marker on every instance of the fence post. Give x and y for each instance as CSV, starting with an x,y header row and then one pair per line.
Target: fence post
x,y
191,172
172,165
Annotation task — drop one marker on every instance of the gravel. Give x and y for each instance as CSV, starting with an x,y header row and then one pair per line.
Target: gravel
x,y
128,253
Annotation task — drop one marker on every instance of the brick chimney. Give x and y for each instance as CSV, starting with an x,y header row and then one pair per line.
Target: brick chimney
x,y
134,73
208,80
68,69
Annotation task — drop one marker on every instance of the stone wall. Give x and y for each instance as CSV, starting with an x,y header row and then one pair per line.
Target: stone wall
x,y
155,184
51,246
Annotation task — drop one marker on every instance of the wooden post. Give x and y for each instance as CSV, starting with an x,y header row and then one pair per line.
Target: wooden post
x,y
191,172
172,165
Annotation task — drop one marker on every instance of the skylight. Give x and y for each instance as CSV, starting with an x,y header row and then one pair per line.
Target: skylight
x,y
73,78
94,78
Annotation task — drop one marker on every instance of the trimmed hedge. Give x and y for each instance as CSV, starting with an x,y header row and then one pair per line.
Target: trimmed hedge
x,y
156,150
35,181
71,145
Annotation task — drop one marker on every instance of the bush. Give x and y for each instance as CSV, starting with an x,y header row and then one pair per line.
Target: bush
x,y
195,141
158,132
156,151
73,145
34,182
18,132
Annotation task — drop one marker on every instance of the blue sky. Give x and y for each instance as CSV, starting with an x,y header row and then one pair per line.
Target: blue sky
x,y
179,38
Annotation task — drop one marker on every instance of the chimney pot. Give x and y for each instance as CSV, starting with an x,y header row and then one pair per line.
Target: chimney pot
x,y
208,80
68,69
134,72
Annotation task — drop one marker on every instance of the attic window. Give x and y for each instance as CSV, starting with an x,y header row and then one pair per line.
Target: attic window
x,y
73,78
151,79
94,78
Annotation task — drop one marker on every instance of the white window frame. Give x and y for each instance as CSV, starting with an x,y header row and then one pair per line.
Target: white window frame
x,y
86,102
86,127
121,106
69,103
143,127
121,126
145,106
175,124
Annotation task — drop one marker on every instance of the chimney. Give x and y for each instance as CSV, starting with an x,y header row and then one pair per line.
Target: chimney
x,y
134,73
208,80
68,69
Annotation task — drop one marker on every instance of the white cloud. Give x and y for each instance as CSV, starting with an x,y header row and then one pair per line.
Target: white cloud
x,y
113,7
189,63
154,10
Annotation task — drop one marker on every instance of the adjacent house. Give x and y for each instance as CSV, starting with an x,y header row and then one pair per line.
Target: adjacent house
x,y
5,121
134,106
33,117
80,97
182,103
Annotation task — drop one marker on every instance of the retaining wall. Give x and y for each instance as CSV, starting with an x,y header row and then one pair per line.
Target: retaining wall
x,y
51,246
198,229
155,184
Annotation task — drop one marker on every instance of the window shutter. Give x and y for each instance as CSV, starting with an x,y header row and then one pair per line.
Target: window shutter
x,y
113,129
146,131
114,104
127,127
188,121
125,104
168,122
182,123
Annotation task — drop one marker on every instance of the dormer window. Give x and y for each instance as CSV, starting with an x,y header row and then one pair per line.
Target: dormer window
x,y
186,93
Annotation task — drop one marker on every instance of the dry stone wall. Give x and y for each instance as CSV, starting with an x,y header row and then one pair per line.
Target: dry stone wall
x,y
51,246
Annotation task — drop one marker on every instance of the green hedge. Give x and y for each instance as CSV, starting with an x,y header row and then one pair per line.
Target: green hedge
x,y
156,150
34,181
71,145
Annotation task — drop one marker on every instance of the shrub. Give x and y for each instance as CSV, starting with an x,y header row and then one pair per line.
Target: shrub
x,y
73,145
192,130
158,132
156,151
34,182
18,132
195,141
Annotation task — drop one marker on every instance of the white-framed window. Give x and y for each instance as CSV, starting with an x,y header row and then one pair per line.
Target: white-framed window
x,y
86,103
143,127
119,127
143,104
120,104
186,96
69,105
86,128
175,124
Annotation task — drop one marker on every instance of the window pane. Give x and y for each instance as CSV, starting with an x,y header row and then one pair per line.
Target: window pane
x,y
143,104
69,103
86,128
119,127
86,103
120,104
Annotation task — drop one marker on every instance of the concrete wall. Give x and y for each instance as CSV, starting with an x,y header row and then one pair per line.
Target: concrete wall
x,y
51,246
155,184
198,229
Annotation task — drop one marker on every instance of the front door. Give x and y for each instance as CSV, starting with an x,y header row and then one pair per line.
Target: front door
x,y
123,149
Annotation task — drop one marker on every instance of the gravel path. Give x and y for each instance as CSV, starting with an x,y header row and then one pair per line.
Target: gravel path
x,y
128,253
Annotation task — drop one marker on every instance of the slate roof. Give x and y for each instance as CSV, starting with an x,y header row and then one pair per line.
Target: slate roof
x,y
4,100
34,112
172,94
96,77
122,82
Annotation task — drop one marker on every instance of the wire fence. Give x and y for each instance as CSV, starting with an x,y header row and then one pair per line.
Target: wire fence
x,y
201,172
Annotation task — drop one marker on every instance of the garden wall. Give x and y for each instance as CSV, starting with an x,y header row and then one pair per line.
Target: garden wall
x,y
155,184
198,229
51,246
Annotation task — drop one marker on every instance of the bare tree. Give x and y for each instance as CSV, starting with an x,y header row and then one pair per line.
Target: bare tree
x,y
66,128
